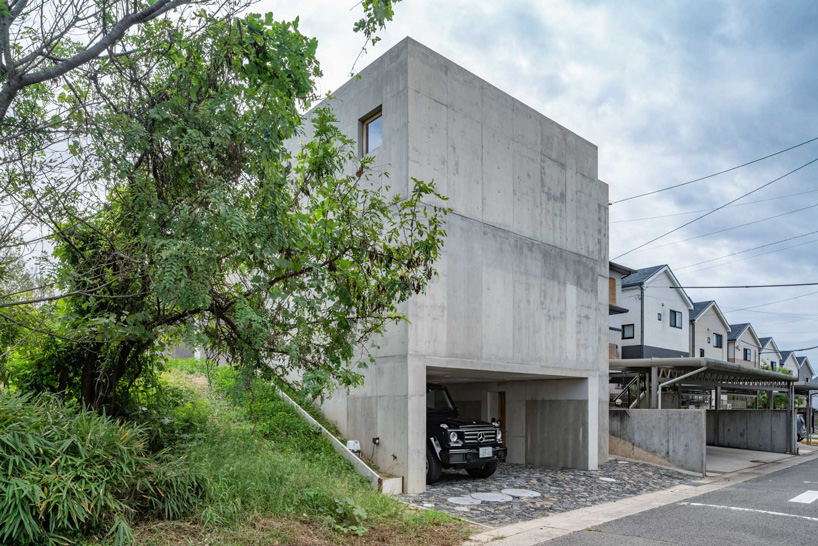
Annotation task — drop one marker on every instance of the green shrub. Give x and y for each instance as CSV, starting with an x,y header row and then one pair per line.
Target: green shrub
x,y
66,472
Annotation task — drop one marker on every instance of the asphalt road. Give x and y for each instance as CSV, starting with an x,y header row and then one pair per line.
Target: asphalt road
x,y
760,511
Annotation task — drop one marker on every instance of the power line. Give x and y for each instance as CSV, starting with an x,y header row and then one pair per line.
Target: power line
x,y
753,256
715,174
771,303
718,208
748,286
705,210
746,250
729,229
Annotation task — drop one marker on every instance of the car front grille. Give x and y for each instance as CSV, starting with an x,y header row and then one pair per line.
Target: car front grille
x,y
488,435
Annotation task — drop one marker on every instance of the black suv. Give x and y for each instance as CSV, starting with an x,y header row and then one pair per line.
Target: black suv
x,y
452,442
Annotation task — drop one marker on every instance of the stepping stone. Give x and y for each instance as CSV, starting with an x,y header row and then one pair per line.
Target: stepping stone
x,y
523,493
466,501
492,497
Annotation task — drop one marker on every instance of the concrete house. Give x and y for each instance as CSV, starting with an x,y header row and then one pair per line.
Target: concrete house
x,y
770,354
516,323
616,272
743,345
657,323
708,331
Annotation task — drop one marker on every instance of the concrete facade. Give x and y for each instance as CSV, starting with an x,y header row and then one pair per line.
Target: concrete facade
x,y
670,437
521,300
703,331
649,305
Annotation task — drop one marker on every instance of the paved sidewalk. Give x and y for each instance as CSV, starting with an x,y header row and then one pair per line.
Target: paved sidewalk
x,y
559,490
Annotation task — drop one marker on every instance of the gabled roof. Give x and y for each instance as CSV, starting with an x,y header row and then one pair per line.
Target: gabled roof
x,y
804,360
700,307
642,276
736,331
765,341
785,355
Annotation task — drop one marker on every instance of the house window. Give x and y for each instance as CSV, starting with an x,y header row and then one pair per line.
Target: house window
x,y
627,331
659,316
772,364
701,353
372,132
748,355
675,319
717,340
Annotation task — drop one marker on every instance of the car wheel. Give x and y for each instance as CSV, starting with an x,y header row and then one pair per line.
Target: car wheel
x,y
433,468
483,471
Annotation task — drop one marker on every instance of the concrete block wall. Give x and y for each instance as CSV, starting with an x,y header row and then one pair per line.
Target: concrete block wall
x,y
523,282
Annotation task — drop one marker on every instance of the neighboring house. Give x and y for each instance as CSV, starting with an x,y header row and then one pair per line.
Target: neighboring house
x,y
615,274
657,323
770,355
708,331
743,345
516,322
790,362
806,372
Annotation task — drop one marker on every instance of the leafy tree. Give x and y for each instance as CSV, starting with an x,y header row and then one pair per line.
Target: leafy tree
x,y
182,207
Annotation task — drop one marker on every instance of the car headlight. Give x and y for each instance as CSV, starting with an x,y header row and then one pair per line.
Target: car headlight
x,y
499,435
453,437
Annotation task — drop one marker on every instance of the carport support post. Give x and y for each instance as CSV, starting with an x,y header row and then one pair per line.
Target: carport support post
x,y
716,437
654,387
791,413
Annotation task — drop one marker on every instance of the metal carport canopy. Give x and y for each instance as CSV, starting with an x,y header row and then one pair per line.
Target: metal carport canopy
x,y
713,373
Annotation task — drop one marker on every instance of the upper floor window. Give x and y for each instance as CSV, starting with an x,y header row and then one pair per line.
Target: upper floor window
x,y
717,340
675,319
372,132
772,364
701,353
627,331
748,355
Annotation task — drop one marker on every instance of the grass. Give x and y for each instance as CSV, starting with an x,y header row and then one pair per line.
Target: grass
x,y
273,479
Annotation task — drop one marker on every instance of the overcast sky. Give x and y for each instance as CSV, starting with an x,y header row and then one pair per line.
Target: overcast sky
x,y
669,92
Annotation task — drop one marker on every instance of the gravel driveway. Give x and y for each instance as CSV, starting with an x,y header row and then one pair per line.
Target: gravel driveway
x,y
560,490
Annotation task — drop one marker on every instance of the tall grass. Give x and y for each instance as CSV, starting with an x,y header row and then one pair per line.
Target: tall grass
x,y
66,472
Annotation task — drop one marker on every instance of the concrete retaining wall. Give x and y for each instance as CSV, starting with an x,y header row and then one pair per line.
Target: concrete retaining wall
x,y
668,437
761,430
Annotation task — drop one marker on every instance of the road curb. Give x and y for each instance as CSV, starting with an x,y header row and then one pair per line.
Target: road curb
x,y
530,533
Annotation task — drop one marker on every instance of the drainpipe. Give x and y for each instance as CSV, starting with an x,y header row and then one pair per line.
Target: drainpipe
x,y
685,376
642,321
693,339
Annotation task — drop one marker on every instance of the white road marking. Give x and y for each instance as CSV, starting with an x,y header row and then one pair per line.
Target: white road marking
x,y
737,509
806,498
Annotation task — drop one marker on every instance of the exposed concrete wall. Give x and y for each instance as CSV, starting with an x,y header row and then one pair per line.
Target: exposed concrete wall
x,y
523,280
667,436
761,430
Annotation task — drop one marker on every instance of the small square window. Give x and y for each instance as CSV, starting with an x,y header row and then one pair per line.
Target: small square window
x,y
627,331
748,355
659,316
372,132
717,340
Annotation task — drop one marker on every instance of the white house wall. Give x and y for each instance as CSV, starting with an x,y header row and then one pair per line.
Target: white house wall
x,y
702,332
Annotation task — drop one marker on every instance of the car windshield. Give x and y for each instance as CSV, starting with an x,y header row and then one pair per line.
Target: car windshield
x,y
438,400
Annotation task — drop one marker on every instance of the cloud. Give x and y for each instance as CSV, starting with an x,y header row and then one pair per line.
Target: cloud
x,y
669,92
